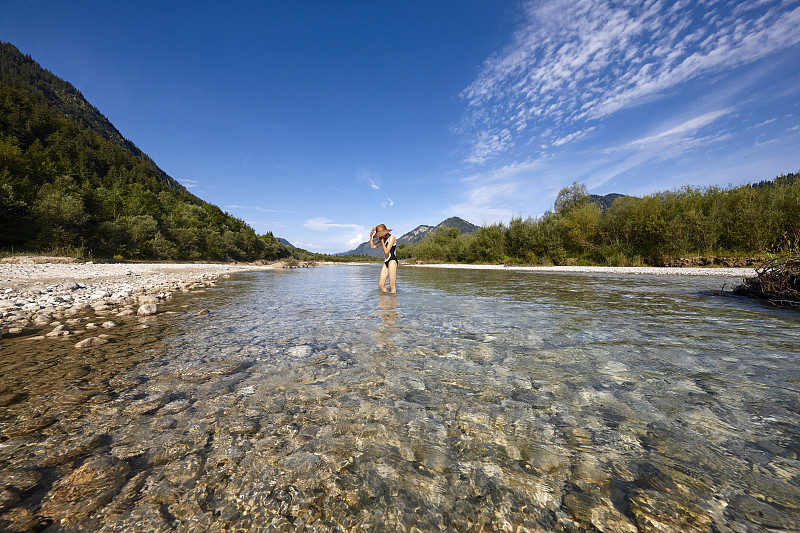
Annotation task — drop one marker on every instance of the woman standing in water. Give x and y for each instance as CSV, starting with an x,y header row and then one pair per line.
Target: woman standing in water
x,y
389,243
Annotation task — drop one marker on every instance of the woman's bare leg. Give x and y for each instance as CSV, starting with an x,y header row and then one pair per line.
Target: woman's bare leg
x,y
384,274
392,275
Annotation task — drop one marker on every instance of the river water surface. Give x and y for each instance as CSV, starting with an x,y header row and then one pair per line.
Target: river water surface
x,y
469,401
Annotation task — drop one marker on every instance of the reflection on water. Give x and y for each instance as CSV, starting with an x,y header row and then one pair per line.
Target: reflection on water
x,y
387,303
469,401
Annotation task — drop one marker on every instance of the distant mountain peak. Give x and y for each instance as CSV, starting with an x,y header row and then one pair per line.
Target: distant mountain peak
x,y
416,235
606,201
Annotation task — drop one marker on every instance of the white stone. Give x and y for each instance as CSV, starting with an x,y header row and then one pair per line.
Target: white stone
x,y
91,341
147,310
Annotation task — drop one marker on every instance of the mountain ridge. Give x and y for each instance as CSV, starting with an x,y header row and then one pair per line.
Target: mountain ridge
x,y
23,72
71,184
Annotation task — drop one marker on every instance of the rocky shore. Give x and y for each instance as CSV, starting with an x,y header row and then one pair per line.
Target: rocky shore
x,y
63,299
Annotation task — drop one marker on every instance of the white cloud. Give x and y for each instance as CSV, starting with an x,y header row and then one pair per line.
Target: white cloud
x,y
575,62
256,208
480,203
686,127
189,184
572,136
489,144
356,240
368,177
323,224
387,203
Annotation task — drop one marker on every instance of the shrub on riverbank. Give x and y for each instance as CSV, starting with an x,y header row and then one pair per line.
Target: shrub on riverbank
x,y
658,229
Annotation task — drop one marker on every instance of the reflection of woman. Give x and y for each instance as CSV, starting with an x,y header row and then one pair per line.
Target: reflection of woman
x,y
388,307
389,244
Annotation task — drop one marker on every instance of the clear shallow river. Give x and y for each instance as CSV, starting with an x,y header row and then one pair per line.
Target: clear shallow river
x,y
470,401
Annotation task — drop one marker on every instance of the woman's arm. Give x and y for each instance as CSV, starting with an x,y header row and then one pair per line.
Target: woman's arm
x,y
372,244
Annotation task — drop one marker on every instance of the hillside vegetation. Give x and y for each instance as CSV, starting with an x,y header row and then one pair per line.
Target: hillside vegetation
x,y
71,184
657,229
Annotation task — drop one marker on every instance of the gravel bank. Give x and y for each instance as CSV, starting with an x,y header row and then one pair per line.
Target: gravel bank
x,y
62,296
647,271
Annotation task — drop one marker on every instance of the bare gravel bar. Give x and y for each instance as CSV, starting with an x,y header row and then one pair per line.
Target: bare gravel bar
x,y
638,271
62,295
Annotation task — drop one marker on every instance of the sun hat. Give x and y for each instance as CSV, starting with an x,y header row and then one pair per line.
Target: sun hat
x,y
380,231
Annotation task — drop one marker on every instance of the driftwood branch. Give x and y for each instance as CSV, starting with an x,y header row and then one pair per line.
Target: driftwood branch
x,y
777,280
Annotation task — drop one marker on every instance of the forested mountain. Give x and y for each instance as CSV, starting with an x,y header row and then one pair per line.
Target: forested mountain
x,y
605,202
416,235
70,183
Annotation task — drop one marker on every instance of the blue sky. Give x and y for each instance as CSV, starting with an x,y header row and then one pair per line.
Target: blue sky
x,y
319,120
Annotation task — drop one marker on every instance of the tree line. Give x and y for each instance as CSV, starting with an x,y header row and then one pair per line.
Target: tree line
x,y
747,220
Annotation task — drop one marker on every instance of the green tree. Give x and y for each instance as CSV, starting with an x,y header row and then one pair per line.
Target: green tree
x,y
570,197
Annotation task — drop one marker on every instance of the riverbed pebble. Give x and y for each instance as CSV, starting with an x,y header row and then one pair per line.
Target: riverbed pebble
x,y
91,341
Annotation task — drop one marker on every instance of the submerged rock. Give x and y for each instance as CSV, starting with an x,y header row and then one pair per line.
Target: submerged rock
x,y
85,490
58,331
147,310
91,341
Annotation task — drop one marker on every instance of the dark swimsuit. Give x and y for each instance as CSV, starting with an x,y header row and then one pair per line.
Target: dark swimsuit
x,y
391,257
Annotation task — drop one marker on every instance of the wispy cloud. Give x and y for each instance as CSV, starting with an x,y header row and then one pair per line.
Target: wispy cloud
x,y
479,203
341,236
490,143
577,61
323,224
256,208
371,179
572,136
387,203
680,131
189,184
